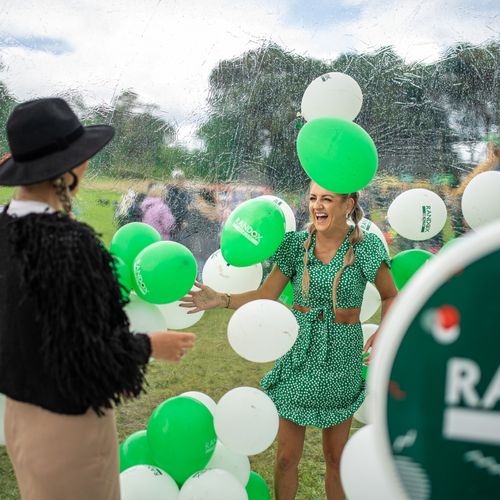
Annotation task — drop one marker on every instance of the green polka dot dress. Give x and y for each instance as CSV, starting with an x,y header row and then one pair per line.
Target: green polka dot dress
x,y
318,382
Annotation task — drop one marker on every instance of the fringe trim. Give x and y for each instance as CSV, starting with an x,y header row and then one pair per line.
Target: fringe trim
x,y
87,347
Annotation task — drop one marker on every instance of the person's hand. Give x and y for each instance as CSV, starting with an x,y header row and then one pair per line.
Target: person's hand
x,y
203,299
369,345
169,345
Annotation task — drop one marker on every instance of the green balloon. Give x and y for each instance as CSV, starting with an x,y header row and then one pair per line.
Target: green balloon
x,y
405,264
164,272
337,154
257,488
135,450
181,436
252,233
124,277
287,295
364,368
131,239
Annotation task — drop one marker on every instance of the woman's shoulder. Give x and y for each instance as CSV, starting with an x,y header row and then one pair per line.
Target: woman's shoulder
x,y
369,241
369,246
56,231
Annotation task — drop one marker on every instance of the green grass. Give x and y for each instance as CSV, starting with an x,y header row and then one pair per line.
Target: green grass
x,y
211,367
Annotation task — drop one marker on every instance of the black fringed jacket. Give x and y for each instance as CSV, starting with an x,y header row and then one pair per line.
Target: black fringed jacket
x,y
65,343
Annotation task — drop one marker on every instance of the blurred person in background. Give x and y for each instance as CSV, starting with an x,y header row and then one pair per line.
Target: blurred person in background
x,y
200,231
129,208
178,198
156,212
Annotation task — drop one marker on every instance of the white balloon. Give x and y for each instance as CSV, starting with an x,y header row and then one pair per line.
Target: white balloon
x,y
262,330
222,277
202,398
246,420
143,316
361,469
235,463
481,200
332,94
145,481
2,418
417,214
363,412
371,227
371,302
290,223
213,484
176,317
368,330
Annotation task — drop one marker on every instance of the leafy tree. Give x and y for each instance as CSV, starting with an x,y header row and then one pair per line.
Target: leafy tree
x,y
410,129
469,78
254,100
140,139
7,103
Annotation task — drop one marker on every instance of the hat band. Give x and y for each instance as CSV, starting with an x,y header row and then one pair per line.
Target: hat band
x,y
59,144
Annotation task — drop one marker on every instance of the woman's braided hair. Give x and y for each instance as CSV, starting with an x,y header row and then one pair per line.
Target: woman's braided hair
x,y
357,235
62,193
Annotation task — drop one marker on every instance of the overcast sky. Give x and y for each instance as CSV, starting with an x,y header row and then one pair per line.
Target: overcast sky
x,y
165,49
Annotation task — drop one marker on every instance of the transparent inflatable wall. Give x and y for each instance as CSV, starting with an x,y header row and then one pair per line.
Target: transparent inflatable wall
x,y
206,97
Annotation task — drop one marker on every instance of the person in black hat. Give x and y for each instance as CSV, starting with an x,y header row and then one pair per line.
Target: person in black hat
x,y
67,356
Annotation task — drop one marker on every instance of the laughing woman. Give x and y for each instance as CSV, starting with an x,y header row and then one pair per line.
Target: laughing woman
x,y
318,382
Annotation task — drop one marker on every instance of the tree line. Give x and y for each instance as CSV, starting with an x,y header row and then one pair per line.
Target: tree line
x,y
415,113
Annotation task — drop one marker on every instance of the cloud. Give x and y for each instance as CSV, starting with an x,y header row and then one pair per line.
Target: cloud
x,y
54,46
165,50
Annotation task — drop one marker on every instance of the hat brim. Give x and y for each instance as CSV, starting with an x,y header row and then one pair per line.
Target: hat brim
x,y
51,166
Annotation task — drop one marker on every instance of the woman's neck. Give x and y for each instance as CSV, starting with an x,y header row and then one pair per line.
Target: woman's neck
x,y
42,193
333,235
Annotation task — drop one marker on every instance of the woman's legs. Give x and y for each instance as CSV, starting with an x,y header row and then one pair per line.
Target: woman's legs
x,y
334,440
290,446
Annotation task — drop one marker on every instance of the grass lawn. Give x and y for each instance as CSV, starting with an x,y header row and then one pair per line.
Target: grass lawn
x,y
211,367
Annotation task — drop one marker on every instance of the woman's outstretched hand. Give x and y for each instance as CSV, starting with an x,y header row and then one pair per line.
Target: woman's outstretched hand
x,y
202,299
169,345
369,345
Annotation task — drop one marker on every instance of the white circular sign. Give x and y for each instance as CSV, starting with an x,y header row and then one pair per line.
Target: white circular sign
x,y
437,427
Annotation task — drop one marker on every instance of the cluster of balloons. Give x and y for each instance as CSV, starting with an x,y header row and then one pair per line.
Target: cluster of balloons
x,y
154,274
420,214
195,449
336,153
158,271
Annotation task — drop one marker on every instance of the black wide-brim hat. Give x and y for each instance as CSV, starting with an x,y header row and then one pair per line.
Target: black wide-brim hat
x,y
46,139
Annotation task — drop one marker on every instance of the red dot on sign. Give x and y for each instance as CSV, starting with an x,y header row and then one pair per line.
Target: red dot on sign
x,y
448,316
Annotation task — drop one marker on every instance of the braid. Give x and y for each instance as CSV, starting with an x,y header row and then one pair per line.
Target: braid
x,y
62,193
305,277
357,235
